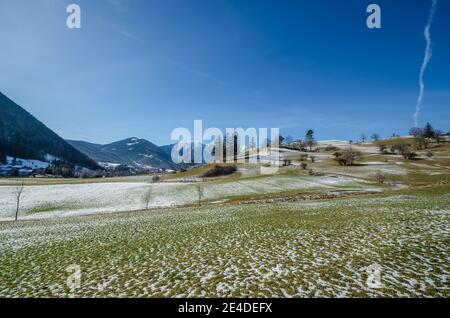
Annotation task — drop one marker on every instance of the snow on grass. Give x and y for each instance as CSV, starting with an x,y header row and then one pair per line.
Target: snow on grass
x,y
74,199
317,249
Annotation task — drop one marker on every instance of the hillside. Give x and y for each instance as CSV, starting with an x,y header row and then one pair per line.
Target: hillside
x,y
23,136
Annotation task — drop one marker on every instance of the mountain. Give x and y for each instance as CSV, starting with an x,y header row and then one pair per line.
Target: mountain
x,y
135,152
23,136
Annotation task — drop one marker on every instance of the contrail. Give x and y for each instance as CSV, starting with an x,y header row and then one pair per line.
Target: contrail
x,y
426,59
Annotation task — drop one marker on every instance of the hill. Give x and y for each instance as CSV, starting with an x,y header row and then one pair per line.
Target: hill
x,y
23,136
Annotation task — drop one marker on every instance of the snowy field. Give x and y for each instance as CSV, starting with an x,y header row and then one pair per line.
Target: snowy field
x,y
45,201
319,249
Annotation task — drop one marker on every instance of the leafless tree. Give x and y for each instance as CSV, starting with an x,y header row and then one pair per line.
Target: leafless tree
x,y
18,194
375,137
200,194
147,197
437,135
156,179
381,177
347,157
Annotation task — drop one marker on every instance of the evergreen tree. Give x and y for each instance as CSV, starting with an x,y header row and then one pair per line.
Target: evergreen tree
x,y
428,131
309,139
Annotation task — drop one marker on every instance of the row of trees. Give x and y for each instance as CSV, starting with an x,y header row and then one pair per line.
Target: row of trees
x,y
427,132
374,137
231,146
307,144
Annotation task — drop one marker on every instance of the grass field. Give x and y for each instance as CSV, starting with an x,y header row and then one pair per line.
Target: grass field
x,y
283,250
40,201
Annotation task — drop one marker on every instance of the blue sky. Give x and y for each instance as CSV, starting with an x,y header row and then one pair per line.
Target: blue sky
x,y
142,68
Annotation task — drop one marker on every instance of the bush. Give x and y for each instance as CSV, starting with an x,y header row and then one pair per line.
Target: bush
x,y
220,171
381,177
382,148
409,155
430,154
400,148
330,148
156,179
347,157
304,165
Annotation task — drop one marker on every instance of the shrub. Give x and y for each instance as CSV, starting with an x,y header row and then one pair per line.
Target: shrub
x,y
347,157
400,148
381,177
430,154
220,171
382,148
156,179
304,165
409,155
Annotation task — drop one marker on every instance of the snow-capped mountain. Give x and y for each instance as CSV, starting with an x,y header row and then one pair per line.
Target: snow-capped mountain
x,y
139,153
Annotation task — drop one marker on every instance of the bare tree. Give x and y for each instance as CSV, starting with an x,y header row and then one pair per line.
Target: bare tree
x,y
347,157
156,179
200,194
416,131
288,140
437,135
18,193
363,137
381,177
375,137
147,197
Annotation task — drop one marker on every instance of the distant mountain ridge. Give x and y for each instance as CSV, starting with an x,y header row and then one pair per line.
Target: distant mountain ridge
x,y
23,136
133,151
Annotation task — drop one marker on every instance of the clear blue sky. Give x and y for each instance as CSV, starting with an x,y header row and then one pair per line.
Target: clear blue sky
x,y
143,68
